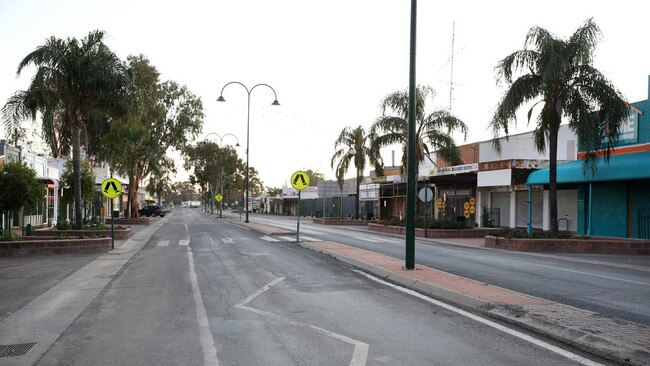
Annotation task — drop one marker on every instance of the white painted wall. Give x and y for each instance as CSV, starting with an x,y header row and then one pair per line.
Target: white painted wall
x,y
491,178
522,146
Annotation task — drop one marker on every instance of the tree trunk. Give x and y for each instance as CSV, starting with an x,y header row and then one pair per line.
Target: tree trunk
x,y
133,195
129,202
76,175
552,181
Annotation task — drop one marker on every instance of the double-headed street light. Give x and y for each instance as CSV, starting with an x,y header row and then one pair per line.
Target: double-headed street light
x,y
248,117
221,165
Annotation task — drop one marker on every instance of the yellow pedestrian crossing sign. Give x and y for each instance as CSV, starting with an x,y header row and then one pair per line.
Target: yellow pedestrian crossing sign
x,y
218,197
111,187
300,180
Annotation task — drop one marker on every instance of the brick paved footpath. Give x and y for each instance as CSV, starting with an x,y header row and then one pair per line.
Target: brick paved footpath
x,y
614,339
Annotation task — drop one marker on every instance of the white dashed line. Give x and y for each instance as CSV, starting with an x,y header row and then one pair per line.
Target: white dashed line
x,y
184,242
163,243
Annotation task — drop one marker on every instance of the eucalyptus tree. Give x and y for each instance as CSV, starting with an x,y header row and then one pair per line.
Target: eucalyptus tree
x,y
433,131
213,166
73,80
559,74
354,147
159,116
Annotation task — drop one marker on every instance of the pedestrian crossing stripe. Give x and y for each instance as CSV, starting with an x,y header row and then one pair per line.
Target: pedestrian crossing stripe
x,y
367,239
184,242
302,238
227,240
268,238
163,243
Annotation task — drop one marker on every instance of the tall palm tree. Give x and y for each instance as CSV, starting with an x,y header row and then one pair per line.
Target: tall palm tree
x,y
73,80
558,74
433,131
353,147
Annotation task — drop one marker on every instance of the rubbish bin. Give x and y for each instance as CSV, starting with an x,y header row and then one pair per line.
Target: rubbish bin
x,y
116,214
28,230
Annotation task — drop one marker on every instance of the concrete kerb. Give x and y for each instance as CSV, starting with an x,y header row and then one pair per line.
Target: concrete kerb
x,y
610,349
620,352
597,345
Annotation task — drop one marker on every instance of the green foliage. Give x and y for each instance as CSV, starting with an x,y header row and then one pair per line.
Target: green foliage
x,y
486,218
8,235
433,130
183,191
314,177
63,225
87,182
275,191
94,223
523,234
75,81
159,116
558,76
354,147
214,165
19,187
431,224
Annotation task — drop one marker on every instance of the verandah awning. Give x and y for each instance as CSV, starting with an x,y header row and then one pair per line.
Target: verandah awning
x,y
620,167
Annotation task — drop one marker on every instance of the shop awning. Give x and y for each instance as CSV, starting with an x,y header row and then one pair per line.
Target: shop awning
x,y
620,167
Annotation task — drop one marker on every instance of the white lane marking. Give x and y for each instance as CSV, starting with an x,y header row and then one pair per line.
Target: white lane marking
x,y
268,238
163,243
366,239
551,267
287,238
207,341
308,238
525,337
261,290
360,352
228,240
238,225
184,242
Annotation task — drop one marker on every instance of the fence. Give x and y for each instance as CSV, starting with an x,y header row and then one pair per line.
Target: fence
x,y
644,223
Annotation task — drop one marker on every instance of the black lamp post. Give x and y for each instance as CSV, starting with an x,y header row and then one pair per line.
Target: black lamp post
x,y
248,117
221,166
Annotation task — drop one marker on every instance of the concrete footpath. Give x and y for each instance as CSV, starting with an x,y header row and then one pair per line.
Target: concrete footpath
x,y
33,327
614,339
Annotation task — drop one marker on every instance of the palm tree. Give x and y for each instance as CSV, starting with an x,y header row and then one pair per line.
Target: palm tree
x,y
559,74
353,146
73,81
433,131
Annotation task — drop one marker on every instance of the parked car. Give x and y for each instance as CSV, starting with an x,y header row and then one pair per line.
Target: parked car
x,y
152,210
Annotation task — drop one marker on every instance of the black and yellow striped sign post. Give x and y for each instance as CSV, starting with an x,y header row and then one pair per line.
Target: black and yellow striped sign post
x,y
299,181
111,188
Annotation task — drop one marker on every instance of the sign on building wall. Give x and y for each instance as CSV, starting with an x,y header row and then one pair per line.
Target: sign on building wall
x,y
629,130
456,169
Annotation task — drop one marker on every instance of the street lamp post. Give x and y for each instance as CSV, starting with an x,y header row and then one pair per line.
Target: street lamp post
x,y
248,118
221,165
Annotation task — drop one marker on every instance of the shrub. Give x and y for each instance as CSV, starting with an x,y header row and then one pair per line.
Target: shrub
x,y
63,225
523,234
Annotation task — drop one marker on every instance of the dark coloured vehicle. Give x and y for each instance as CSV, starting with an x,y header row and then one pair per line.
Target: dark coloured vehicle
x,y
153,210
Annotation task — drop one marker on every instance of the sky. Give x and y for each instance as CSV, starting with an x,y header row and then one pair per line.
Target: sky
x,y
330,62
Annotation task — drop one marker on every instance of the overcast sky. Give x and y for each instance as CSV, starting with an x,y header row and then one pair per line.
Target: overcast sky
x,y
330,62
